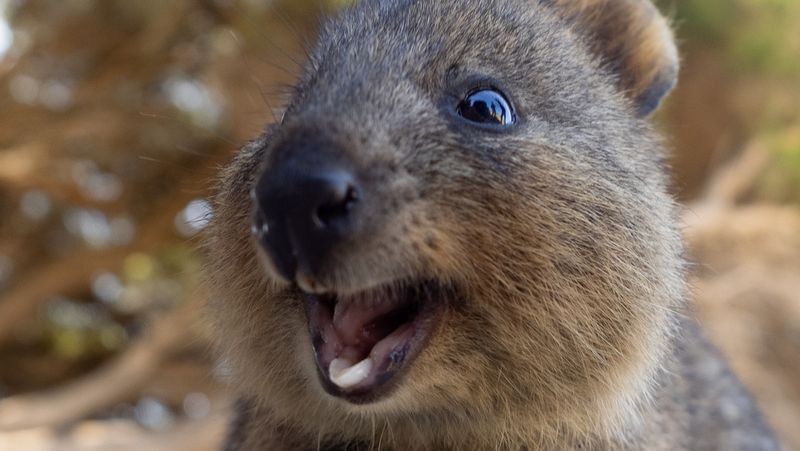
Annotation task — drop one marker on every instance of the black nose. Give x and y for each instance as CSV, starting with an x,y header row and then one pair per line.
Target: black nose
x,y
303,211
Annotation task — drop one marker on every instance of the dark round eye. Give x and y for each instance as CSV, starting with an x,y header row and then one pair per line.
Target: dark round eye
x,y
487,106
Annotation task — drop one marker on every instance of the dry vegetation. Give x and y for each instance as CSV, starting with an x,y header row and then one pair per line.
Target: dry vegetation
x,y
117,114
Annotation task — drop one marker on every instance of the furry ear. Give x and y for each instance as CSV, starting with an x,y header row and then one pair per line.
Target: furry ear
x,y
633,39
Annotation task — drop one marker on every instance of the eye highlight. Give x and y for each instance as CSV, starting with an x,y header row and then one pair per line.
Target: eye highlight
x,y
487,106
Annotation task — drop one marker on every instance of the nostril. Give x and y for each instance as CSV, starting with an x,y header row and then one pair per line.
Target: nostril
x,y
259,228
338,206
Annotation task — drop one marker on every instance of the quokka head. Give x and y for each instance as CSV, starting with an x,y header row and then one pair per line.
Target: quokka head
x,y
462,215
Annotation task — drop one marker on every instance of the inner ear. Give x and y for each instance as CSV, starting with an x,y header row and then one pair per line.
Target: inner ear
x,y
634,41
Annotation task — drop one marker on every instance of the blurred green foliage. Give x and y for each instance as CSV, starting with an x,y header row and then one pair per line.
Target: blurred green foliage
x,y
87,328
757,42
759,36
781,181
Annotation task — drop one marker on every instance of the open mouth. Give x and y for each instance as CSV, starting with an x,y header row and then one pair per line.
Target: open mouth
x,y
363,342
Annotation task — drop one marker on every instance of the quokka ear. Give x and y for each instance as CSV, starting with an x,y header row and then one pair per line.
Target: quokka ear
x,y
633,39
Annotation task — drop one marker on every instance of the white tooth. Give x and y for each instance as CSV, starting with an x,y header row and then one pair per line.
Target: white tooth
x,y
309,284
344,374
338,365
305,283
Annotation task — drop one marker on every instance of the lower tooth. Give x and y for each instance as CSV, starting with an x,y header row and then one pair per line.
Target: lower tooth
x,y
345,375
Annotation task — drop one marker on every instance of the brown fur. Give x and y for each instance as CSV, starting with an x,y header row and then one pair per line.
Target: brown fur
x,y
558,237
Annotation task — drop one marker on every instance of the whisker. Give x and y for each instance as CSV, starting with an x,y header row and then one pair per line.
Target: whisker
x,y
190,126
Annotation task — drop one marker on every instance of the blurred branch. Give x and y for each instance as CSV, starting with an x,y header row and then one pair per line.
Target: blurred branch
x,y
59,276
159,34
734,180
74,271
773,227
121,435
116,381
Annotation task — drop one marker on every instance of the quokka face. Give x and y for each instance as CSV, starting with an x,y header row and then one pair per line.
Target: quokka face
x,y
461,218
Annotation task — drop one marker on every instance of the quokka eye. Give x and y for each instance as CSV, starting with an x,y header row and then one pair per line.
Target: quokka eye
x,y
487,106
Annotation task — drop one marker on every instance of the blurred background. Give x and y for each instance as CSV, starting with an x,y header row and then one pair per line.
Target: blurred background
x,y
115,116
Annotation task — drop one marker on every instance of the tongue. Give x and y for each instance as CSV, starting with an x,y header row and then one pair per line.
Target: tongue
x,y
364,320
